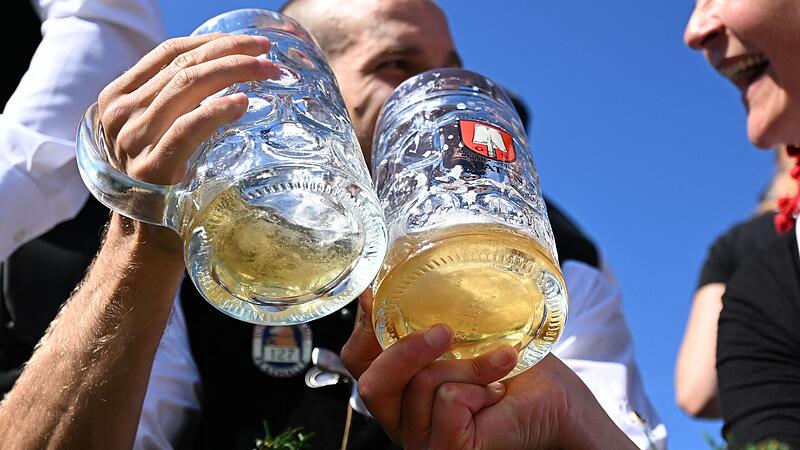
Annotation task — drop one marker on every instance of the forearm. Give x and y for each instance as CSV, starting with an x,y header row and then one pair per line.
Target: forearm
x,y
84,385
592,429
585,425
598,347
695,369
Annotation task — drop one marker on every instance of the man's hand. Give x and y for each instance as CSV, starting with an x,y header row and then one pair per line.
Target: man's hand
x,y
152,117
457,404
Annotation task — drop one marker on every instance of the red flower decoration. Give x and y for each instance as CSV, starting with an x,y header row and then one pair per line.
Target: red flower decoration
x,y
788,206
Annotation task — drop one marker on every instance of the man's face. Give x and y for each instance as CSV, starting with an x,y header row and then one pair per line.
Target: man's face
x,y
390,41
756,45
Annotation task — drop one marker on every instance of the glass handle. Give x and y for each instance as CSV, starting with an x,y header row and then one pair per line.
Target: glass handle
x,y
146,202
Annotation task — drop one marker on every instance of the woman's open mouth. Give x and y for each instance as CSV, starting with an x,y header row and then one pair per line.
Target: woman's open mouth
x,y
744,70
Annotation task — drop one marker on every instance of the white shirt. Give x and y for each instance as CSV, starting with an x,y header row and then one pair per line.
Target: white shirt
x,y
596,344
85,45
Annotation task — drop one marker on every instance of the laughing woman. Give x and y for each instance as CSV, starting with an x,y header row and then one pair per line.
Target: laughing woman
x,y
756,45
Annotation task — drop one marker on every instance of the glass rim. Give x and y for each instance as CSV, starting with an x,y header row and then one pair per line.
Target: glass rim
x,y
253,19
463,78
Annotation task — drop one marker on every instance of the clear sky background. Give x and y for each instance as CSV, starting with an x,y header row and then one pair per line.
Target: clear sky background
x,y
633,135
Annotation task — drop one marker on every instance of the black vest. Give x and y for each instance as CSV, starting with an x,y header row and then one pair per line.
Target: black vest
x,y
238,396
21,35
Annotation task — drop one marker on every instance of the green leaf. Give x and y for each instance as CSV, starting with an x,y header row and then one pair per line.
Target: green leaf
x,y
291,439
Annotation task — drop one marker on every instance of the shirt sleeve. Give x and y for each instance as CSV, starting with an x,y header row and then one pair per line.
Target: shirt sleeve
x,y
735,247
758,349
85,45
597,345
172,402
720,262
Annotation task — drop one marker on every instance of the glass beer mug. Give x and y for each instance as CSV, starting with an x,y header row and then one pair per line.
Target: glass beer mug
x,y
277,212
470,243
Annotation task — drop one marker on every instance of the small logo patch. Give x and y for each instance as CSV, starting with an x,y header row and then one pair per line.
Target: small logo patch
x,y
282,351
487,140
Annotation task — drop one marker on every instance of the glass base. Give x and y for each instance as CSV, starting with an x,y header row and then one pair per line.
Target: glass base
x,y
490,284
286,245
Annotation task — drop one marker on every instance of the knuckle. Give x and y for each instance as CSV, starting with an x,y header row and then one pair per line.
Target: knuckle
x,y
476,367
169,47
184,60
207,111
185,78
347,357
104,99
422,381
126,138
113,117
365,390
181,127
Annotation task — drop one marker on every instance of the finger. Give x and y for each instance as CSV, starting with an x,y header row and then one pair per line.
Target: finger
x,y
166,163
152,63
419,397
362,348
453,423
382,384
192,85
114,103
215,49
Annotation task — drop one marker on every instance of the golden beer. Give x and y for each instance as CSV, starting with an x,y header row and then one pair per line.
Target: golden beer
x,y
491,284
254,254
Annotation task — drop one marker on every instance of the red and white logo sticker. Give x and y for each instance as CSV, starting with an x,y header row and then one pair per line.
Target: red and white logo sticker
x,y
487,140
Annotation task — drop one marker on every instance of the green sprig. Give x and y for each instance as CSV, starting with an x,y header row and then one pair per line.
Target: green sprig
x,y
291,439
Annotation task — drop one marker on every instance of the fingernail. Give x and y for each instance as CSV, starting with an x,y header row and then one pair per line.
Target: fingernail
x,y
237,99
437,335
503,357
447,392
497,386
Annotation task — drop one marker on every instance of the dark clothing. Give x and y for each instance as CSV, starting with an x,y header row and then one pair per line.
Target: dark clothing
x,y
571,242
737,245
37,279
237,396
21,34
758,350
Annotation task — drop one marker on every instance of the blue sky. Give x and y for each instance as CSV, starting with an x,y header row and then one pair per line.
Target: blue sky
x,y
633,135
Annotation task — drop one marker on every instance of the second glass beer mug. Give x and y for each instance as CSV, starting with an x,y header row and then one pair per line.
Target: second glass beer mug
x,y
470,243
278,216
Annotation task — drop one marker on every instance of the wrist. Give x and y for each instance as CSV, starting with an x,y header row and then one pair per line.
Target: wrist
x,y
136,258
586,425
158,244
134,254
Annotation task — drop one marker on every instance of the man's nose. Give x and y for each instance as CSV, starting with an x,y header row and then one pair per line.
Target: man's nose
x,y
704,26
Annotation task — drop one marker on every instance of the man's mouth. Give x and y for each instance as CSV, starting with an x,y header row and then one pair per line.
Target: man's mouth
x,y
744,70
